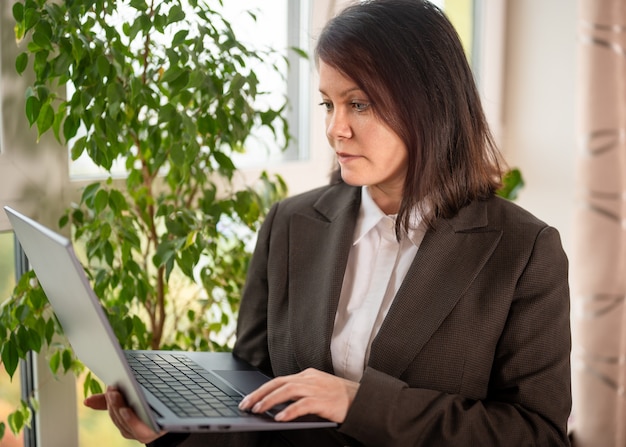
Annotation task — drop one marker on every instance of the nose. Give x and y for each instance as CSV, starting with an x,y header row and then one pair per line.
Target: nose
x,y
338,125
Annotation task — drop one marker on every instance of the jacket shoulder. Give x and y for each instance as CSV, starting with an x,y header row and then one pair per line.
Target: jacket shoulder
x,y
495,213
504,212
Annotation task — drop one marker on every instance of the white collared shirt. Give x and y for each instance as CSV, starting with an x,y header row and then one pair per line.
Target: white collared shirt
x,y
377,265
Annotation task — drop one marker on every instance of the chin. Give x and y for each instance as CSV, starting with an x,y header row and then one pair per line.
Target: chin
x,y
352,181
351,178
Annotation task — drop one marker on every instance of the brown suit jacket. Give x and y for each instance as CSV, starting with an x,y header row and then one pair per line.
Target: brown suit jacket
x,y
475,349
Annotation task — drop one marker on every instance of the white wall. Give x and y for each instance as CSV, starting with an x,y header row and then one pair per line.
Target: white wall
x,y
539,114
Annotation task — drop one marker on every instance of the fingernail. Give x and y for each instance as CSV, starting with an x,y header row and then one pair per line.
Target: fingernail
x,y
280,416
243,405
257,407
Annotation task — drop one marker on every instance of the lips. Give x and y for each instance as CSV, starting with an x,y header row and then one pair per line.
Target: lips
x,y
344,157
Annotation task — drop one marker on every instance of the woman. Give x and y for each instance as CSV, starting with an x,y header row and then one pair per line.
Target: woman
x,y
404,301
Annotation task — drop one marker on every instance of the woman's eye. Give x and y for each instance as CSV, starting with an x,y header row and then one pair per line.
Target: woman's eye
x,y
327,105
360,106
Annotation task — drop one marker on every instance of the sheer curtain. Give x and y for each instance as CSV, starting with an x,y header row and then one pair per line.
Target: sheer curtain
x,y
599,257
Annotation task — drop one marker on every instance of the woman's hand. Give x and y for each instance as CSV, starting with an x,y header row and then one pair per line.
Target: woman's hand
x,y
127,422
312,392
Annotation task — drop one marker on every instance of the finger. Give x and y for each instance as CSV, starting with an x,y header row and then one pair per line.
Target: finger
x,y
286,392
115,402
301,407
274,392
260,393
96,402
138,429
126,420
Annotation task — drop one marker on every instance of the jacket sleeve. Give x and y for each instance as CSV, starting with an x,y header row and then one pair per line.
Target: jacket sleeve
x,y
529,397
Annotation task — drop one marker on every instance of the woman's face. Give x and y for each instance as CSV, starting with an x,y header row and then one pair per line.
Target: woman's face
x,y
368,151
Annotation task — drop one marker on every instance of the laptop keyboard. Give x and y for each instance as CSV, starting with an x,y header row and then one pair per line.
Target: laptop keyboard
x,y
183,385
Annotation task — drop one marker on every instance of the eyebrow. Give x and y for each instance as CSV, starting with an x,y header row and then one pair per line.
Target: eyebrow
x,y
345,92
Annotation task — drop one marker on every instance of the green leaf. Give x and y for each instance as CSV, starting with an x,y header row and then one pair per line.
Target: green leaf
x,y
58,119
167,113
512,184
300,52
45,118
16,421
18,15
31,17
21,62
50,330
179,82
177,155
35,340
139,5
89,192
78,148
91,385
101,201
63,221
33,106
10,357
37,298
67,360
175,14
42,36
61,64
20,30
165,252
95,387
115,95
55,361
86,384
55,12
103,65
179,37
23,338
224,161
70,127
117,201
43,93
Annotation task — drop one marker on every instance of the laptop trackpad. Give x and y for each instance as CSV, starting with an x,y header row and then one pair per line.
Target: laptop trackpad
x,y
243,381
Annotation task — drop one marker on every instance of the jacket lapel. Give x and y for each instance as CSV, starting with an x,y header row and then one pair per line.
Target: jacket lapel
x,y
449,258
319,244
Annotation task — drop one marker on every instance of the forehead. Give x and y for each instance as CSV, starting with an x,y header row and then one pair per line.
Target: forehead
x,y
333,81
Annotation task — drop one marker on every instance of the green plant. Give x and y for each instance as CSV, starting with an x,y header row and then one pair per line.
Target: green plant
x,y
512,183
165,87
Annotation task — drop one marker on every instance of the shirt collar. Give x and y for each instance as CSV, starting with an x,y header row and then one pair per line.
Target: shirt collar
x,y
370,214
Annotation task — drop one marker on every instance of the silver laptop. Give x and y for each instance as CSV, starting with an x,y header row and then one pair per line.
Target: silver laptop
x,y
212,383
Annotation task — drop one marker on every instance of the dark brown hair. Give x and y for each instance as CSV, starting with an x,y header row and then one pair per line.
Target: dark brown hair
x,y
407,57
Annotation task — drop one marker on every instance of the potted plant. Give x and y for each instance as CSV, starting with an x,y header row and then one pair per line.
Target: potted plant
x,y
165,88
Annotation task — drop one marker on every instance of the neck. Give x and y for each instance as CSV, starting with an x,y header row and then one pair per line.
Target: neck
x,y
387,200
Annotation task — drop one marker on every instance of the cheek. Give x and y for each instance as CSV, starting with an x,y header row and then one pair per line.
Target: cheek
x,y
396,153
